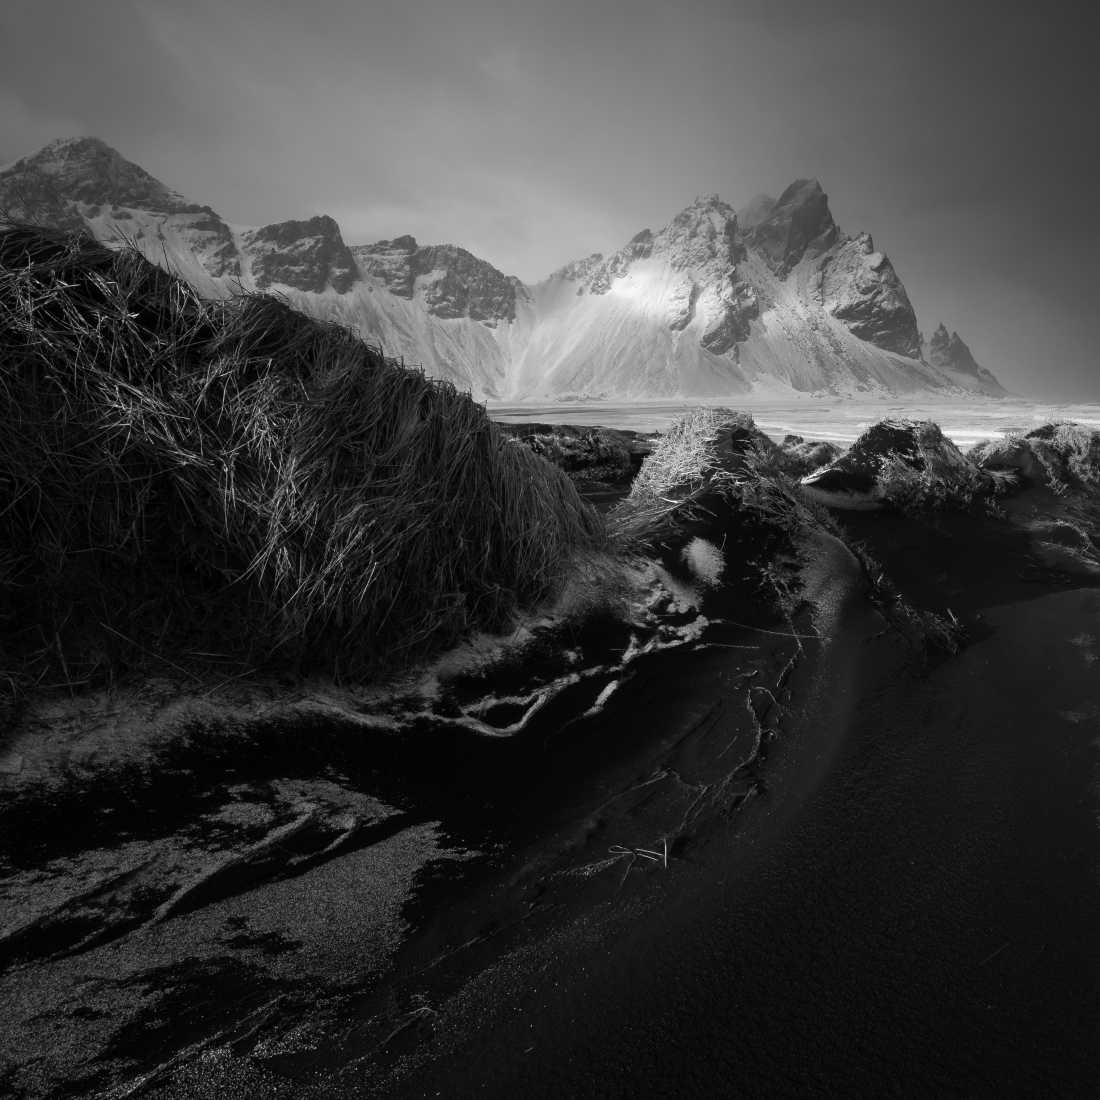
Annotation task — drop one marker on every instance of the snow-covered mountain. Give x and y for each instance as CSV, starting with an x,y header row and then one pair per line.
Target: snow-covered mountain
x,y
769,300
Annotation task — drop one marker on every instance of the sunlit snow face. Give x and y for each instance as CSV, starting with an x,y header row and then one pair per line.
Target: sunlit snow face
x,y
705,561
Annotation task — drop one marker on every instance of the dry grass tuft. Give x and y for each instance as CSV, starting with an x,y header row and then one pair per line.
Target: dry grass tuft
x,y
186,482
681,469
1068,452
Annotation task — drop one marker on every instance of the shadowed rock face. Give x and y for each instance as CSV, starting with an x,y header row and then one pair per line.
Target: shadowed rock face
x,y
860,287
391,262
729,325
305,255
455,284
458,284
799,222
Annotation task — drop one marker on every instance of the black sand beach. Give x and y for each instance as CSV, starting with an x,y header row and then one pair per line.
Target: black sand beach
x,y
909,910
795,855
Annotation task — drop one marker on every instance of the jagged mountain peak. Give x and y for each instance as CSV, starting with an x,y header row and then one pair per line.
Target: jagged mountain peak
x,y
801,192
404,243
705,208
307,255
697,235
798,223
452,281
948,353
577,271
772,298
709,202
78,147
80,176
709,231
951,351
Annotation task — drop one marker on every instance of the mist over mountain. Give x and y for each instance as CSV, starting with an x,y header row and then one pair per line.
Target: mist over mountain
x,y
772,300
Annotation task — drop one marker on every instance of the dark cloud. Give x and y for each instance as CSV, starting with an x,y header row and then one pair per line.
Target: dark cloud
x,y
961,135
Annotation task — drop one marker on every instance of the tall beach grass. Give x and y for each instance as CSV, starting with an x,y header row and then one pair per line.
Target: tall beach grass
x,y
186,481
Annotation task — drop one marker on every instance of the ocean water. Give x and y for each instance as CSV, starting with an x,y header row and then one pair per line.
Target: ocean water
x,y
841,421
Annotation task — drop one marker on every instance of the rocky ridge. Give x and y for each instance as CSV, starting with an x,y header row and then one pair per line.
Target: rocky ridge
x,y
773,299
454,282
306,255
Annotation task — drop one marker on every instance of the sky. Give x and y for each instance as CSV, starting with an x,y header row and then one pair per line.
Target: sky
x,y
963,136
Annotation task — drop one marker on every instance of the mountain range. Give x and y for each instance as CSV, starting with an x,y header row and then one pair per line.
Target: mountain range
x,y
769,300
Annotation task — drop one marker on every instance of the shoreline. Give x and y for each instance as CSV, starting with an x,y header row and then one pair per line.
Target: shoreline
x,y
830,419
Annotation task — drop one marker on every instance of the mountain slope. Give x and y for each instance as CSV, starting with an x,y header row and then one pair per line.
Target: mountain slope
x,y
771,300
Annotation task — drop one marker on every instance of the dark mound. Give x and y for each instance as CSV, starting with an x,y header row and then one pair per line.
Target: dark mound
x,y
231,480
798,457
586,454
907,463
1061,454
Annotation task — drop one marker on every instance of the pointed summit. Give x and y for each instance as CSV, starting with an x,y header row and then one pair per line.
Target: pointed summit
x,y
950,355
951,352
799,222
78,176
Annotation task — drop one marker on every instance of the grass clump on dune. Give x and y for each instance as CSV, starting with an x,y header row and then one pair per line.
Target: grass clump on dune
x,y
909,464
681,469
186,482
1063,452
713,456
931,474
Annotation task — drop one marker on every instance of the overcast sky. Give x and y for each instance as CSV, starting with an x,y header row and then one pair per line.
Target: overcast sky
x,y
963,136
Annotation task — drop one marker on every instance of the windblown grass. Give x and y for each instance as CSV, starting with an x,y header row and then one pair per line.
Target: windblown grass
x,y
186,482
